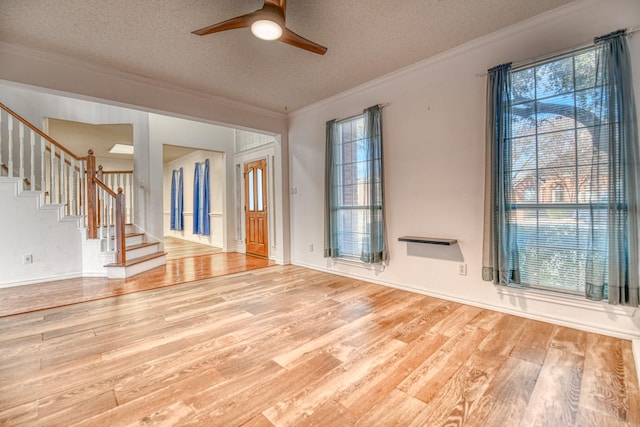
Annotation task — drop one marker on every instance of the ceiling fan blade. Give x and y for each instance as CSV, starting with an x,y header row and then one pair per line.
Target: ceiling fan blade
x,y
282,4
289,37
243,21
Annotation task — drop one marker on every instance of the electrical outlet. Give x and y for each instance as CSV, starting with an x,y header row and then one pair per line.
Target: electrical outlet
x,y
462,269
311,247
27,259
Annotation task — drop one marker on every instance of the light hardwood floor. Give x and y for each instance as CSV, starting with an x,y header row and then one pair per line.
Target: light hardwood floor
x,y
39,296
286,345
180,248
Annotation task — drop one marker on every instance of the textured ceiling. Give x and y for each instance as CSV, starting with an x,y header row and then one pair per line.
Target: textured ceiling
x,y
366,39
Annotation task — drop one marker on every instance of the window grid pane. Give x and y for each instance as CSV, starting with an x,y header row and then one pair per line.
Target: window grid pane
x,y
558,192
352,188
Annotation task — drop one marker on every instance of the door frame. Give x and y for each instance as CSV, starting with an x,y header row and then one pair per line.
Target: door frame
x,y
261,182
268,154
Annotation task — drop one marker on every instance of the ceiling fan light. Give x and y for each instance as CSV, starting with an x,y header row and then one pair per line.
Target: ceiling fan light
x,y
266,30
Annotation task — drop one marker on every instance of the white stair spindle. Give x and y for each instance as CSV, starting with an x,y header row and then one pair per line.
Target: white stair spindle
x,y
100,213
21,153
32,170
127,196
83,193
73,188
52,173
107,222
10,148
63,193
43,171
130,203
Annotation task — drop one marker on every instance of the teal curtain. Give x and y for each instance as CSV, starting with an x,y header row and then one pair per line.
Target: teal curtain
x,y
331,183
500,249
177,200
374,245
612,258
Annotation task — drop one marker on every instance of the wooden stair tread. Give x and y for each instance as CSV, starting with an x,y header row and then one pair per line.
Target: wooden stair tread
x,y
133,234
128,235
141,245
138,260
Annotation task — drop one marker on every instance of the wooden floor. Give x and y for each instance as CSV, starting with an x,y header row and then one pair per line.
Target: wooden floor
x,y
180,248
38,296
292,346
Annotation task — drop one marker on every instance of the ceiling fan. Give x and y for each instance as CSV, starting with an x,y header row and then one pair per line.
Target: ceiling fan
x,y
267,23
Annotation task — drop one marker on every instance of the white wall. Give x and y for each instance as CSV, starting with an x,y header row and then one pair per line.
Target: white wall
x,y
186,133
217,186
434,133
55,245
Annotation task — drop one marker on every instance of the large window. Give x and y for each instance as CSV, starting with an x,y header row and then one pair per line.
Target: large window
x,y
351,187
563,184
553,111
354,214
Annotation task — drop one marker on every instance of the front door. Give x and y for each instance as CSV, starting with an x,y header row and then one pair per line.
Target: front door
x,y
255,190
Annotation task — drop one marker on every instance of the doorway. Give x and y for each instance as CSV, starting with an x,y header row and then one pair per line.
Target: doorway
x,y
255,190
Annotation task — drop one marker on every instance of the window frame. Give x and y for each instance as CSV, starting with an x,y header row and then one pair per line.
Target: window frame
x,y
344,206
571,201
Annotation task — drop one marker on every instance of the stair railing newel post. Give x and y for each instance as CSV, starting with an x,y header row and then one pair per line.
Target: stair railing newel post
x,y
121,250
92,202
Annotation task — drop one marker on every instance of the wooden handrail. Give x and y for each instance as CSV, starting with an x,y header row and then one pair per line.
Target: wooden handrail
x,y
39,132
104,187
115,172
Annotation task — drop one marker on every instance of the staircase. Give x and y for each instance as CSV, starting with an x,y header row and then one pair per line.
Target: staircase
x,y
70,185
141,256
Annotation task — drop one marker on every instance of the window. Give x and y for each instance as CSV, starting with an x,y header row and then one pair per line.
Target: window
x,y
354,214
567,126
553,116
352,183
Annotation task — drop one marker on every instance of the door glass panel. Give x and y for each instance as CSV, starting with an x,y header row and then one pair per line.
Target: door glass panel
x,y
251,191
259,187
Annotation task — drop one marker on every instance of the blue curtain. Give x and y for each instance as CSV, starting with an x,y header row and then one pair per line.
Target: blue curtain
x,y
201,224
374,245
612,258
177,200
500,250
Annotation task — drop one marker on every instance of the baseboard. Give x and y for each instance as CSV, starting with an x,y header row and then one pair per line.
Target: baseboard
x,y
41,280
621,311
94,273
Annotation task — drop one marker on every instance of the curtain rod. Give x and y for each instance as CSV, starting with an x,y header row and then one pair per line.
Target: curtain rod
x,y
522,64
386,104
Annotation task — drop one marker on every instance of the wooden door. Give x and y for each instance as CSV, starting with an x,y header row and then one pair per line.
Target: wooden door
x,y
255,191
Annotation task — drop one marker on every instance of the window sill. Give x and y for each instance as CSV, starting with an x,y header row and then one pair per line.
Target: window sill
x,y
563,299
354,262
